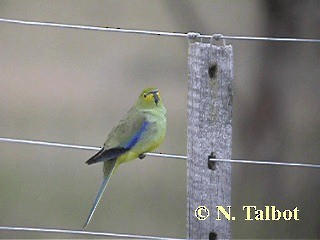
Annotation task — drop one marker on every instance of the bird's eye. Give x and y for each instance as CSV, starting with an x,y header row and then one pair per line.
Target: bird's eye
x,y
144,95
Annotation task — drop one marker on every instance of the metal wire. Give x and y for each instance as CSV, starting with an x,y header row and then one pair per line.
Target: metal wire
x,y
49,144
80,232
81,147
158,33
260,162
163,155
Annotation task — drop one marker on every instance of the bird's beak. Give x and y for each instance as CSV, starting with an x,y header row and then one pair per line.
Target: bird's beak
x,y
156,97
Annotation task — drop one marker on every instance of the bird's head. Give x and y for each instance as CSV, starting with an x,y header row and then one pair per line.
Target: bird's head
x,y
149,98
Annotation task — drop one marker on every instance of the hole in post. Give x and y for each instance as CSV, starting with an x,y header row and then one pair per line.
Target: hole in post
x,y
213,69
212,236
211,163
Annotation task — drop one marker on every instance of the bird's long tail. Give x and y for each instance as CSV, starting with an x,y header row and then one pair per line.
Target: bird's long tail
x,y
107,175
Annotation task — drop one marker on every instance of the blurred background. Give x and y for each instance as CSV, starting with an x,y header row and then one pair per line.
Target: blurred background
x,y
72,86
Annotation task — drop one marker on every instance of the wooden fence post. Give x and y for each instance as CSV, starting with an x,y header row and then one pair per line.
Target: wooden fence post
x,y
209,130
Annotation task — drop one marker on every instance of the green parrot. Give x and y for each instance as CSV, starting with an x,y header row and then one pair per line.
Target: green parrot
x,y
141,130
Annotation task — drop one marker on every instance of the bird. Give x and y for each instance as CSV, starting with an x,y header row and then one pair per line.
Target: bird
x,y
141,130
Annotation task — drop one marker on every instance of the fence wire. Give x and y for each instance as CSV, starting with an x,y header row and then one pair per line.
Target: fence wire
x,y
83,233
163,155
263,162
190,35
80,147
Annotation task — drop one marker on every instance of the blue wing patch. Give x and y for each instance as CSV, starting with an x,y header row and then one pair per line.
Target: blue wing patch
x,y
133,141
112,153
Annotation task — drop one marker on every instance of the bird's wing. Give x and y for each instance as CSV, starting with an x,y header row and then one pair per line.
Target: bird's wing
x,y
108,170
106,154
122,137
127,133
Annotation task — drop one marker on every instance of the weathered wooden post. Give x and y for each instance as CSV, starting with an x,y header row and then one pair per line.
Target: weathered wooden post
x,y
209,130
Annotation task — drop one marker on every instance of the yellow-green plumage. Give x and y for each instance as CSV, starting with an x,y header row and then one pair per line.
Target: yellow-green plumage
x,y
141,130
